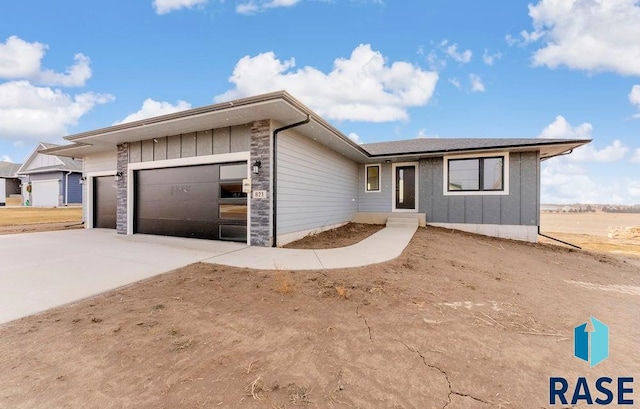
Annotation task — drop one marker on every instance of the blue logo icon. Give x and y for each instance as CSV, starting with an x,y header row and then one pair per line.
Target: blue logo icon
x,y
592,347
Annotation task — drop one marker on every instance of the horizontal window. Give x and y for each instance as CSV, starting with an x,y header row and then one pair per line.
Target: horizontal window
x,y
481,174
231,191
238,171
233,211
372,178
234,233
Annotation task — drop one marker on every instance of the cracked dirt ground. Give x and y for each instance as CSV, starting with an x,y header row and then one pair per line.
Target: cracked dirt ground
x,y
458,321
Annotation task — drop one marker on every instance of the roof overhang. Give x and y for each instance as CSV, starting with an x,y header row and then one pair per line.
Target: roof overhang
x,y
548,148
277,106
282,109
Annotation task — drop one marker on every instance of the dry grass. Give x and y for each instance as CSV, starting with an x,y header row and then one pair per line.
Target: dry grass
x,y
342,291
16,216
284,284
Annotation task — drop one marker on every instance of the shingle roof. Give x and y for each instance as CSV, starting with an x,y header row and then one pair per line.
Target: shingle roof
x,y
8,169
443,145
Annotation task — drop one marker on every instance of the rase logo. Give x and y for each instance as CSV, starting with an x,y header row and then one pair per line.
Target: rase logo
x,y
592,347
598,340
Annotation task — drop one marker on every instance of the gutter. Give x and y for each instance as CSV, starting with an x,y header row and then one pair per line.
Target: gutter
x,y
274,193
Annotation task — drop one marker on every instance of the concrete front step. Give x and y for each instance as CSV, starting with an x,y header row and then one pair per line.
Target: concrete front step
x,y
403,222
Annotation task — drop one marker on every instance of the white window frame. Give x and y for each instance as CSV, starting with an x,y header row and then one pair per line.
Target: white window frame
x,y
366,178
505,182
393,187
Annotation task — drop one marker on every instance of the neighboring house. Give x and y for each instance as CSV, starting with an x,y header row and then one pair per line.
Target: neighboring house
x,y
187,174
49,179
9,181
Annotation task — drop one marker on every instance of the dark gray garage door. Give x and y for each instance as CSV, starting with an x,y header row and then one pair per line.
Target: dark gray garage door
x,y
104,202
204,202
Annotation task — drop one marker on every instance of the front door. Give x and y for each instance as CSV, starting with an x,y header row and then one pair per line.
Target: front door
x,y
406,187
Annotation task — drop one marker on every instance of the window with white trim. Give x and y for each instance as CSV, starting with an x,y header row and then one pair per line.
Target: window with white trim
x,y
372,178
480,175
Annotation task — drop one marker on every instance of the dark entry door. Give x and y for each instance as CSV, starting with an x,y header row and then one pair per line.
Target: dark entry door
x,y
105,197
204,202
406,187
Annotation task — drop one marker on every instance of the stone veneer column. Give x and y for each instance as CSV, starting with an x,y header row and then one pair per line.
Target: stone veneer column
x,y
121,210
261,208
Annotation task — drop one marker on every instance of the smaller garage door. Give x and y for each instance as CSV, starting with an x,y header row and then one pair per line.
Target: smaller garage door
x,y
45,192
105,198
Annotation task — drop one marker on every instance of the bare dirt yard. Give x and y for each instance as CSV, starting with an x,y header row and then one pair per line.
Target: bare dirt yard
x,y
33,219
349,234
616,233
457,321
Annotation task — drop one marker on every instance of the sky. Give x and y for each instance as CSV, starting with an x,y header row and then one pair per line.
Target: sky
x,y
378,70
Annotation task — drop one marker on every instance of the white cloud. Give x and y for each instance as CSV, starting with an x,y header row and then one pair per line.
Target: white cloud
x,y
489,59
635,158
435,62
563,182
257,6
355,137
461,57
634,98
35,113
588,153
167,6
151,108
560,128
20,59
591,35
476,83
455,82
363,87
6,158
422,133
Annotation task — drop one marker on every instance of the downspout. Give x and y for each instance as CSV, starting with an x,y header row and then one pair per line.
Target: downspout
x,y
558,240
66,188
274,195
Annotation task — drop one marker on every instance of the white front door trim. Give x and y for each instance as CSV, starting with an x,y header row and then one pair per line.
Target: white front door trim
x,y
393,187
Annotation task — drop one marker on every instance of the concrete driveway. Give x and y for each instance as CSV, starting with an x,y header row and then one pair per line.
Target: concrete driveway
x,y
39,271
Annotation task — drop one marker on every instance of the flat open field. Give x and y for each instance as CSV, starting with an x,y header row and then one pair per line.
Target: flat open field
x,y
30,219
458,321
616,233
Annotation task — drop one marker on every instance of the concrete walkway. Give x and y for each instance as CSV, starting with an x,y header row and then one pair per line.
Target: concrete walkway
x,y
39,271
384,245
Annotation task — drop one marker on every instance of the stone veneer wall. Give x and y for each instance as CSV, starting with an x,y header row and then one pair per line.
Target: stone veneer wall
x,y
261,208
121,210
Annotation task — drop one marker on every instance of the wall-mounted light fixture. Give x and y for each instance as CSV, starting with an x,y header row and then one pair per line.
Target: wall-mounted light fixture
x,y
82,180
118,177
387,161
256,167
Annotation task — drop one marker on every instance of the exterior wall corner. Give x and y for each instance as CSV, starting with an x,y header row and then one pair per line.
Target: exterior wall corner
x,y
260,150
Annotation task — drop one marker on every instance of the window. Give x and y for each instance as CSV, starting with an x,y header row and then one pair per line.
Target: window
x,y
372,178
238,171
477,174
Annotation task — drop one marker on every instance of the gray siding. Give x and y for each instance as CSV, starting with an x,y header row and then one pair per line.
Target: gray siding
x,y
375,201
317,187
519,207
201,143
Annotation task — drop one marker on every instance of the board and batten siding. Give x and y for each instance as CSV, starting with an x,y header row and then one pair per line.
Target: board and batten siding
x,y
375,201
519,207
207,142
317,187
